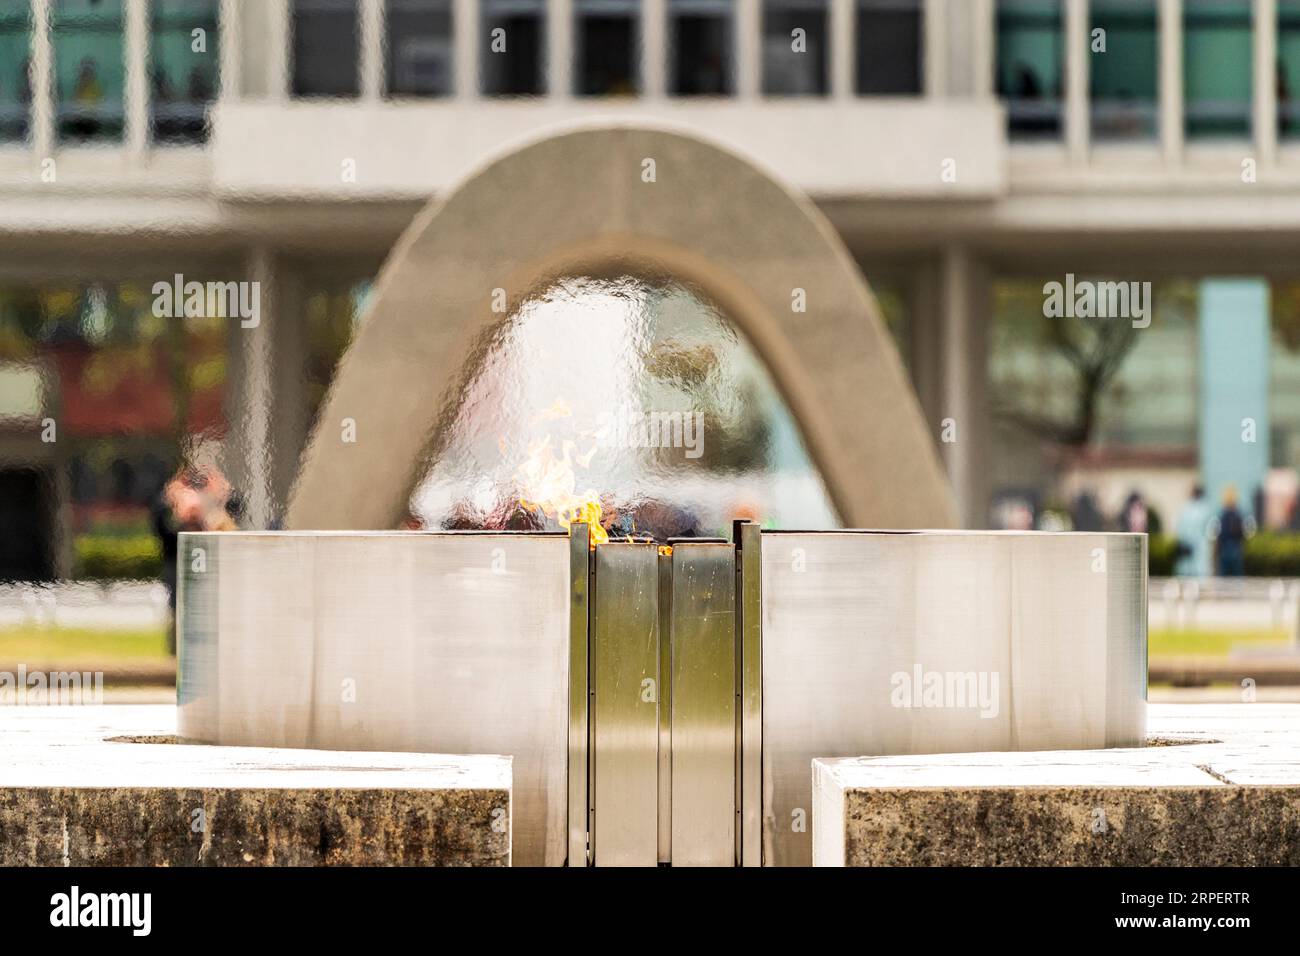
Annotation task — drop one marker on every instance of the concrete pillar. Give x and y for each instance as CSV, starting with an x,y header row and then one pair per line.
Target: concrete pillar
x,y
279,60
42,78
135,99
1169,23
842,35
1264,102
749,43
654,48
983,48
465,30
231,44
266,406
559,49
371,14
1077,53
935,57
963,425
924,336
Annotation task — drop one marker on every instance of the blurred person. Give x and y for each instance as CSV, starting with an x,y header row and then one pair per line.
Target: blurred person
x,y
88,91
1133,517
1192,533
88,94
1085,515
1231,539
193,499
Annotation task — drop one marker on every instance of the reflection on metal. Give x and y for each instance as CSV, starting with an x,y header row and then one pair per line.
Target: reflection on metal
x,y
665,706
389,641
624,705
750,687
703,695
579,627
935,642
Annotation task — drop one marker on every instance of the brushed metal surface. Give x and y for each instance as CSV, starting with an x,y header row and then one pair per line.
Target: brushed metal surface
x,y
665,708
703,694
1013,642
749,609
393,641
624,705
579,624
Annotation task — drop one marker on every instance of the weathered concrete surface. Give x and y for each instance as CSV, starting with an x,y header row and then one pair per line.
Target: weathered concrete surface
x,y
80,786
1223,789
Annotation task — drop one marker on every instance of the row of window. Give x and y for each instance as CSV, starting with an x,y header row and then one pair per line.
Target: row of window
x,y
89,67
607,42
88,70
88,74
1123,67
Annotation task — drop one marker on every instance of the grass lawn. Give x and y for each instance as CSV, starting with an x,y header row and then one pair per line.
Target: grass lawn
x,y
48,645
36,646
1211,643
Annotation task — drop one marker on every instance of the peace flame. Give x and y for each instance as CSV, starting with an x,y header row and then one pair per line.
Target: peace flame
x,y
550,483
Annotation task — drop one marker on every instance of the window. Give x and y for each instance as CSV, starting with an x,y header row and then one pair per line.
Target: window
x,y
1216,68
889,44
1122,69
419,48
1029,71
1284,381
514,58
606,40
15,70
795,38
88,69
700,47
1288,68
183,68
325,48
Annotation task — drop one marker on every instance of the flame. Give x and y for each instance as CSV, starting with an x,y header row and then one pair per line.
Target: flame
x,y
550,483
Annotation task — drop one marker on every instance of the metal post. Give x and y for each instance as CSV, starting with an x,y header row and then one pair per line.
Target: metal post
x,y
624,705
702,637
579,622
749,686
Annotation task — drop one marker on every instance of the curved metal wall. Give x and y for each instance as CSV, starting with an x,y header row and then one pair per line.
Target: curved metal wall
x,y
940,642
443,643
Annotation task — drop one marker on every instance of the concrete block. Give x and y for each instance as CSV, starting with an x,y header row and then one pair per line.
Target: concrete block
x,y
112,786
1222,789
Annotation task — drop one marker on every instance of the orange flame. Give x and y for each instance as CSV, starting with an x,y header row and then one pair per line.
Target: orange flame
x,y
550,483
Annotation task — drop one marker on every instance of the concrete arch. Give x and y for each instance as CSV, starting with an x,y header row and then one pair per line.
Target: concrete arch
x,y
578,203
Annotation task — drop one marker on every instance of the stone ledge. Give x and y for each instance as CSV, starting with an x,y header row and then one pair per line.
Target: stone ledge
x,y
70,796
1224,792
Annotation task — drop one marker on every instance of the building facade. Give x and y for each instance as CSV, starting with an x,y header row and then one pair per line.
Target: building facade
x,y
968,152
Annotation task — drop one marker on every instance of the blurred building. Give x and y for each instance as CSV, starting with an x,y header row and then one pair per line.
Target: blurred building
x,y
968,152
